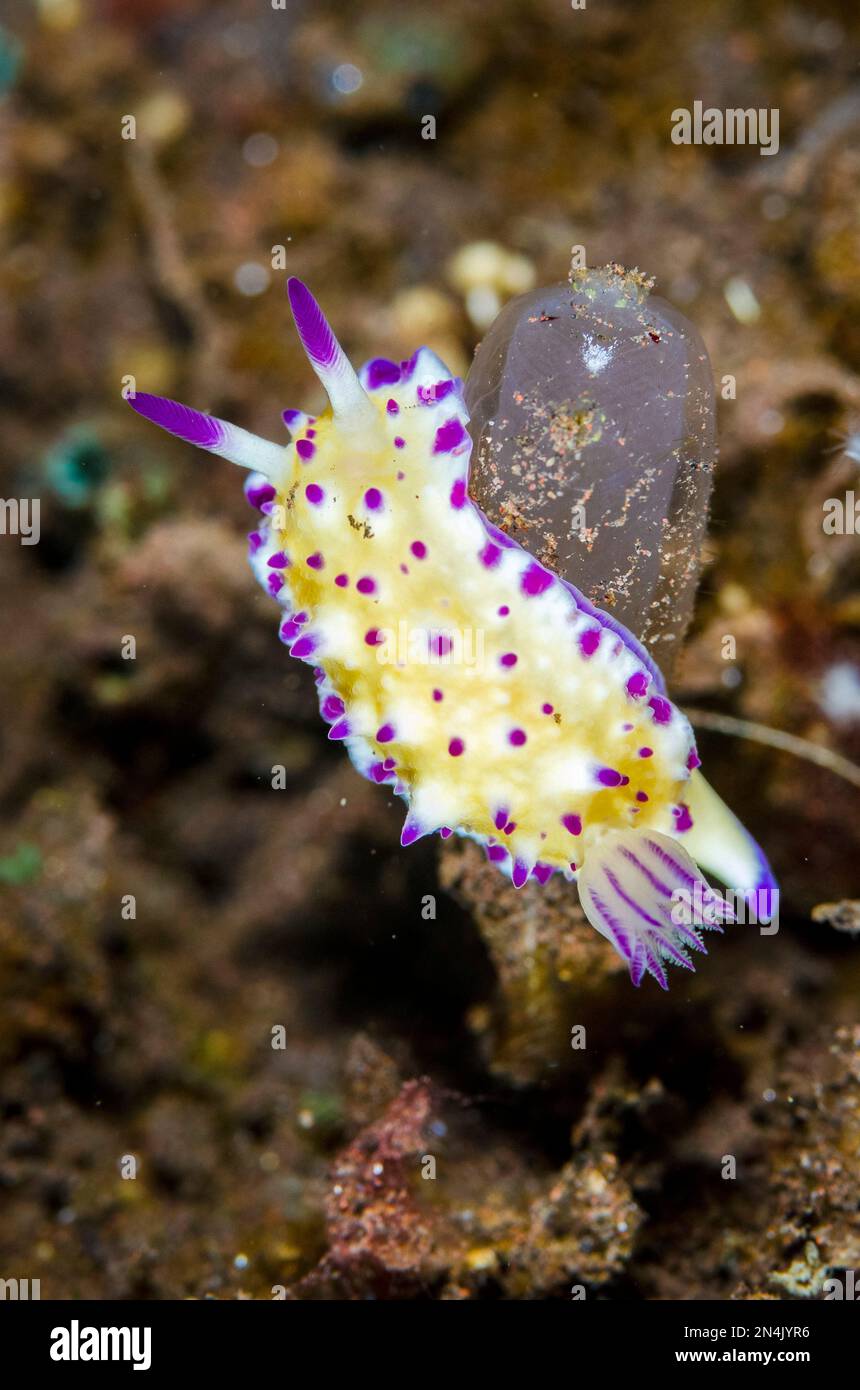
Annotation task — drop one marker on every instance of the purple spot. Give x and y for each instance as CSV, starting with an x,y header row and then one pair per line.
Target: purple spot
x,y
289,630
373,637
490,555
693,761
399,442
497,535
610,777
332,707
662,709
641,796
683,819
504,611
637,686
303,647
517,737
366,585
305,449
496,853
546,709
392,407
339,730
389,764
543,872
275,583
341,580
408,367
419,549
589,641
378,773
290,417
519,873
458,494
445,831
437,695
310,434
278,561
646,752
385,733
500,819
510,827
258,493
381,372
572,824
449,436
255,540
314,494
440,644
410,833
456,747
373,499
509,659
535,580
315,561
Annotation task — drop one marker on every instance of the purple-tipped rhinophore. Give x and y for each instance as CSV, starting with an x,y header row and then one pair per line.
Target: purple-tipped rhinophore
x,y
191,425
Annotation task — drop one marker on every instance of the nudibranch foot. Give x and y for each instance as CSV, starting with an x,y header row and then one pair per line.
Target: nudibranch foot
x,y
461,673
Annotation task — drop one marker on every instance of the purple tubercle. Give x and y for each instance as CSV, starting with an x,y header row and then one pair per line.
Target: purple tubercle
x,y
419,550
589,641
637,686
536,580
517,737
611,777
508,659
693,760
315,561
317,338
373,499
572,824
275,583
519,873
490,555
543,872
366,585
373,637
341,580
381,372
255,540
332,707
683,819
385,733
392,407
449,436
181,420
399,442
257,493
458,494
305,449
496,853
661,708
278,561
339,730
410,833
304,647
456,747
315,494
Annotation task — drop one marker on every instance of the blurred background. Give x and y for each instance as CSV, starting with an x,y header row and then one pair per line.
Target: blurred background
x,y
237,993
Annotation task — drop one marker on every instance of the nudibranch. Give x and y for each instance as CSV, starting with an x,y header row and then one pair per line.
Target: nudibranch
x,y
464,675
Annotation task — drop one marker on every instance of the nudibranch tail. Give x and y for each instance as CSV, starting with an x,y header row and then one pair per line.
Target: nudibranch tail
x,y
463,674
348,398
723,846
207,432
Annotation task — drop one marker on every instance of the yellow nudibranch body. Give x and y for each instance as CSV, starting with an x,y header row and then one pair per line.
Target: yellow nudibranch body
x,y
464,675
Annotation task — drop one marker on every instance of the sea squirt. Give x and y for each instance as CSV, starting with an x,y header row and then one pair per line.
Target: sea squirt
x,y
557,747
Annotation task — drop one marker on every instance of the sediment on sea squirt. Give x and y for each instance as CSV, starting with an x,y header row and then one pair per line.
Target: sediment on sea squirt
x,y
592,413
561,752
